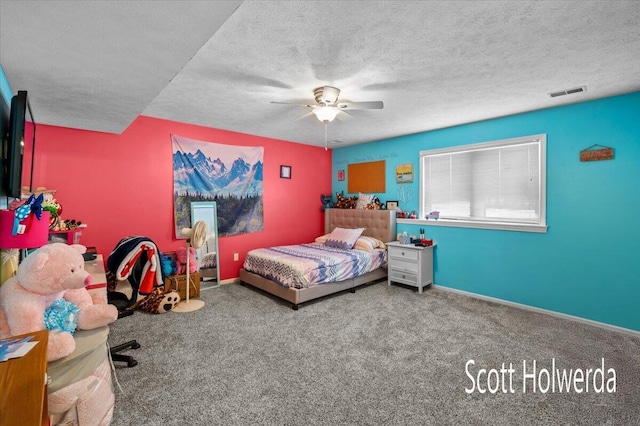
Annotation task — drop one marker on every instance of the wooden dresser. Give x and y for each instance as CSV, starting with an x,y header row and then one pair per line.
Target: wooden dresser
x,y
23,386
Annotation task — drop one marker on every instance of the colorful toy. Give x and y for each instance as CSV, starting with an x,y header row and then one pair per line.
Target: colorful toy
x,y
433,215
345,202
181,255
52,272
169,265
327,201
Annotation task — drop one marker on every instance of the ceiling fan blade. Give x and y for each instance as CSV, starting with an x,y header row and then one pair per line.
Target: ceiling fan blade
x,y
293,103
360,105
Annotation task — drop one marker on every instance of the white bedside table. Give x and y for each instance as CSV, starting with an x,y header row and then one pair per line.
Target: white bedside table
x,y
410,265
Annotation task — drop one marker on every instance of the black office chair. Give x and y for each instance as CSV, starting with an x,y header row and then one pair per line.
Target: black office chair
x,y
132,259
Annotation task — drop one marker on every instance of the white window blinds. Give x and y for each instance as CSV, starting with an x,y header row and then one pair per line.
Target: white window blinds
x,y
500,181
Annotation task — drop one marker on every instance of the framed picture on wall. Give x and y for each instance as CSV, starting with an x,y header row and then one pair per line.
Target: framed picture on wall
x,y
340,175
285,172
404,173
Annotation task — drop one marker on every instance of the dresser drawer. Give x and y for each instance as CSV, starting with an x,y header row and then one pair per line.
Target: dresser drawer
x,y
403,277
405,266
402,253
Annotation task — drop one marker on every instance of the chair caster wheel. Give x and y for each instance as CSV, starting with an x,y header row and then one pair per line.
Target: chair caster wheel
x,y
136,346
132,363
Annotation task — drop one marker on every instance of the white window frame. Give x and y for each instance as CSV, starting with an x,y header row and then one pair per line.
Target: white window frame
x,y
525,226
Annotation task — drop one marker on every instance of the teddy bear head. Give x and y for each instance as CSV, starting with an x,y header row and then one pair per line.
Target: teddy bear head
x,y
53,268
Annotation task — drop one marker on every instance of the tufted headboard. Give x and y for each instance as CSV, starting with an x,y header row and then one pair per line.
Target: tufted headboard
x,y
380,224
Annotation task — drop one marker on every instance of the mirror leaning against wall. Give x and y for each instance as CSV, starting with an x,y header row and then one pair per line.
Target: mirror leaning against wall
x,y
207,255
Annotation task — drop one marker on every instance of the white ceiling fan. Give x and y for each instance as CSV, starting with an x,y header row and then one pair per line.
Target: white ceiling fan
x,y
327,106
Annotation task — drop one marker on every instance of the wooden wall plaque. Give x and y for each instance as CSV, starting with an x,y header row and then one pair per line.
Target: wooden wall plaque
x,y
596,154
366,177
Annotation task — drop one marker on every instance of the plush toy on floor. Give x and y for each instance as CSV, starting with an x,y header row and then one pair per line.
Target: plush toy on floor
x,y
49,292
181,255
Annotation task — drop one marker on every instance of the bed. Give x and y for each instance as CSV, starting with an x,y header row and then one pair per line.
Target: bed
x,y
379,224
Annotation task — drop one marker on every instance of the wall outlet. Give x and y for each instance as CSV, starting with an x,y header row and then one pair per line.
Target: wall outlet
x,y
235,257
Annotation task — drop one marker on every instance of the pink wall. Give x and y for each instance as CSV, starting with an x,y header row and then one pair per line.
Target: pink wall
x,y
121,185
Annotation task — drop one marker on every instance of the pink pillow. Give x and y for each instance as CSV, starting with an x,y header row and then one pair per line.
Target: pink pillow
x,y
343,238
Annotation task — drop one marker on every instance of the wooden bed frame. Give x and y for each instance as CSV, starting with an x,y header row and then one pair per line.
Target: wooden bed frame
x,y
380,224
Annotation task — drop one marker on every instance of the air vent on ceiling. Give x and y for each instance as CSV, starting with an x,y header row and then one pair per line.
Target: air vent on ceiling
x,y
568,91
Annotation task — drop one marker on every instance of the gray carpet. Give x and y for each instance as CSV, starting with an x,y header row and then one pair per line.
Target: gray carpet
x,y
384,355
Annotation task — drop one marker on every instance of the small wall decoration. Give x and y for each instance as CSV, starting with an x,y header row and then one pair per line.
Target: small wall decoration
x,y
404,173
340,175
596,153
392,205
285,172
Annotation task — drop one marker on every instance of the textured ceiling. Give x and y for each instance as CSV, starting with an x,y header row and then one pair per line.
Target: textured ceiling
x,y
98,65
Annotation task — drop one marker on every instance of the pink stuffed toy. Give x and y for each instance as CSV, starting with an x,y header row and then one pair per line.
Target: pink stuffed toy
x,y
49,274
181,255
90,398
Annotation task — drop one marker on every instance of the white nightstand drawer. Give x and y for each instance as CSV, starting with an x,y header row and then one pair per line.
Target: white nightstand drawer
x,y
405,265
403,253
403,277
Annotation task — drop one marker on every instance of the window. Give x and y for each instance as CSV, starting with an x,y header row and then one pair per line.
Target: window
x,y
495,185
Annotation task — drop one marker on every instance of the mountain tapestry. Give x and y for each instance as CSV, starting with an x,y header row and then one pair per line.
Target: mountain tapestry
x,y
230,175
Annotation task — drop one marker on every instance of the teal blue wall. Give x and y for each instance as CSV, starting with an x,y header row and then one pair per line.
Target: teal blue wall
x,y
5,89
588,263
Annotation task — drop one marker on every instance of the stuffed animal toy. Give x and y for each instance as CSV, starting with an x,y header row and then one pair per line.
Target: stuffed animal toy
x,y
327,201
90,398
345,202
169,265
49,292
158,302
181,256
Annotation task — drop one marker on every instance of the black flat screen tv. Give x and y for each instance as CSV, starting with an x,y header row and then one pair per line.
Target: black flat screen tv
x,y
18,148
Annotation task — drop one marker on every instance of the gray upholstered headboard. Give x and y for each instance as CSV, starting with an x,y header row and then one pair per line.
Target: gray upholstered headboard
x,y
380,224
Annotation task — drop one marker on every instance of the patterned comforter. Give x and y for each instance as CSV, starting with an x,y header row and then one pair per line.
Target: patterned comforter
x,y
306,265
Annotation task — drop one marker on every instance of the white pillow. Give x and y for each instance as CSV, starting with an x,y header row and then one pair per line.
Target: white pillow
x,y
343,238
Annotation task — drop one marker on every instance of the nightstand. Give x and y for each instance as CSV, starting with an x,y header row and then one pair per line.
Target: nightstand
x,y
411,265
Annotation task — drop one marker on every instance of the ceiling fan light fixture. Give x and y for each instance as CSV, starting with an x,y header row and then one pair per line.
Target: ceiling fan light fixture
x,y
326,113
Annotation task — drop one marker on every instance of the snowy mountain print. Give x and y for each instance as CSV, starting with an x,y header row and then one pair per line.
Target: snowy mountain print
x,y
228,174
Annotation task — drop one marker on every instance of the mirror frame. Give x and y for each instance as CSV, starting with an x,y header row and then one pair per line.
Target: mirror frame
x,y
207,212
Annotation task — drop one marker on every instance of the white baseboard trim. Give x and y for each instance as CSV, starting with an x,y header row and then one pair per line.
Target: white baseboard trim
x,y
543,311
235,280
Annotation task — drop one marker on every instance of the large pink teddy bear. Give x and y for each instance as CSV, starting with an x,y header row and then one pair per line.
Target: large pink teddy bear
x,y
55,271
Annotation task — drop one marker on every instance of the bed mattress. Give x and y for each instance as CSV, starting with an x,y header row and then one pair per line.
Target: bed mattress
x,y
307,265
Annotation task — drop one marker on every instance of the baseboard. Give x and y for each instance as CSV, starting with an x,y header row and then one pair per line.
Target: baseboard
x,y
235,280
543,311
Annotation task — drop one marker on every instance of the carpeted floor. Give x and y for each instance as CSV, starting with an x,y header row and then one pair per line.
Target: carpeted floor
x,y
384,355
